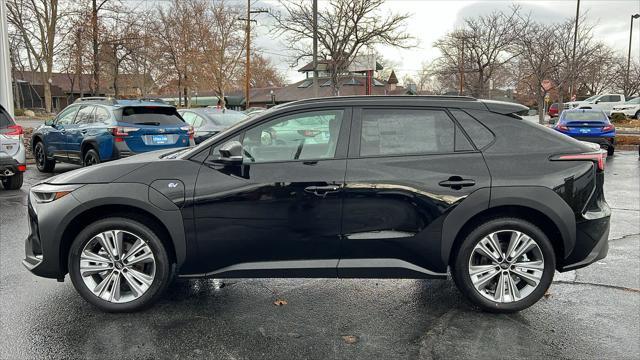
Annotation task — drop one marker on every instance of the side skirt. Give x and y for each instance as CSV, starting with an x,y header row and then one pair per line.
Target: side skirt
x,y
330,268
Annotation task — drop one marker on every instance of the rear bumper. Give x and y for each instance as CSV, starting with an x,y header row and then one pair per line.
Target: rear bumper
x,y
10,166
608,141
592,240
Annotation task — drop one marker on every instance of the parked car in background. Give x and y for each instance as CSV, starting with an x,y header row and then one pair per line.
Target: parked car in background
x,y
553,110
604,102
254,110
207,122
13,162
95,129
405,187
590,125
630,108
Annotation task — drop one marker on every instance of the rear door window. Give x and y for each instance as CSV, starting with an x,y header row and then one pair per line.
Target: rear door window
x,y
614,98
406,131
151,115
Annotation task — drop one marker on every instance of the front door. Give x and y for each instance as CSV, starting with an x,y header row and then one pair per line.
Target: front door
x,y
56,137
277,214
77,131
407,168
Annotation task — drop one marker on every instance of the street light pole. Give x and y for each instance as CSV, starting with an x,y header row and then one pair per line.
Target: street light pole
x,y
573,54
315,48
247,70
626,83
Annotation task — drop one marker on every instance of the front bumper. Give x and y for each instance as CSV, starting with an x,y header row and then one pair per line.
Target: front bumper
x,y
42,248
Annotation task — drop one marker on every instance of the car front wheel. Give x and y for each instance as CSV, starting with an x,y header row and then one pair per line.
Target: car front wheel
x,y
42,163
119,265
504,265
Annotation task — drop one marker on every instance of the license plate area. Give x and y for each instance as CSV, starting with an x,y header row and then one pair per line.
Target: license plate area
x,y
159,139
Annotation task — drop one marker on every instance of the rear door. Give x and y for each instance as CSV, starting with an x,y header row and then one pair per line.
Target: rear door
x,y
77,130
407,168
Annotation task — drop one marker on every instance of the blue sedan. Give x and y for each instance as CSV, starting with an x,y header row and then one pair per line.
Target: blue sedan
x,y
590,125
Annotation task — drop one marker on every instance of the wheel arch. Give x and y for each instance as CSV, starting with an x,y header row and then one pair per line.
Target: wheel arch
x,y
538,205
88,144
92,214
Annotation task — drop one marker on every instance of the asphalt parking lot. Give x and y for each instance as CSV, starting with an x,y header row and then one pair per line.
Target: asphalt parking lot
x,y
591,313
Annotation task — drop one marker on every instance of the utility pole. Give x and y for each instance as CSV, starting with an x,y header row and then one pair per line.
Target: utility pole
x,y
573,55
626,83
462,69
247,70
315,48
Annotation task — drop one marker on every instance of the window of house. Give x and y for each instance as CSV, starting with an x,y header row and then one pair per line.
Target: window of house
x,y
406,131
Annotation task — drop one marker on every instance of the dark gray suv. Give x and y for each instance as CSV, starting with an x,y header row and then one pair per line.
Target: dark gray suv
x,y
380,187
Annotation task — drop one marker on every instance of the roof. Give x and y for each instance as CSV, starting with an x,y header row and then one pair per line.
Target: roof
x,y
323,65
119,102
393,79
64,81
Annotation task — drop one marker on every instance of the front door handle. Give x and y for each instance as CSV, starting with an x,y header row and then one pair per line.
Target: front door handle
x,y
83,131
457,182
322,191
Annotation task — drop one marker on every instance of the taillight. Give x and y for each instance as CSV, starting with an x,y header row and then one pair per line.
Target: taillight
x,y
120,132
562,127
22,168
608,127
599,157
189,130
14,130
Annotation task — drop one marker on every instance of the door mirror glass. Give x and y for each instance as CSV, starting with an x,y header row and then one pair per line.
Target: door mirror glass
x,y
231,153
49,122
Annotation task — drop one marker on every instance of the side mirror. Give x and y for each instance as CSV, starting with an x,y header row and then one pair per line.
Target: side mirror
x,y
49,122
597,101
533,112
231,153
552,121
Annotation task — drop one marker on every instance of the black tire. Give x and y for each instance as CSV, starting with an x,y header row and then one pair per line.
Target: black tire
x,y
638,115
13,182
610,150
42,163
460,264
163,265
90,157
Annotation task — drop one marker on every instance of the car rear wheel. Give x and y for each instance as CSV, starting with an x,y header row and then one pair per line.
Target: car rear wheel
x,y
90,157
42,163
504,265
610,150
13,182
119,265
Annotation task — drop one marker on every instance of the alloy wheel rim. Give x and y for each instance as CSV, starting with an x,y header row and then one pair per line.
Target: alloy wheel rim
x,y
117,266
506,266
90,160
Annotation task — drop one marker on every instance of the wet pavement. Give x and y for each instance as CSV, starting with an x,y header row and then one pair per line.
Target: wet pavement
x,y
591,313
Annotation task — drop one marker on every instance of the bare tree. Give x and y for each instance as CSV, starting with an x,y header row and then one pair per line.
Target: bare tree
x,y
264,73
482,48
345,27
37,22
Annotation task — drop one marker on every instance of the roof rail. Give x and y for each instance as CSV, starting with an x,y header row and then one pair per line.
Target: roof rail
x,y
372,97
97,99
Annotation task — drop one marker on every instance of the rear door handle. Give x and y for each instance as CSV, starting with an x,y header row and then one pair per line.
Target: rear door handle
x,y
322,191
457,182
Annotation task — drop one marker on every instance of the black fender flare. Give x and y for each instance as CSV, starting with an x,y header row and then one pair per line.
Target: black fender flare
x,y
136,195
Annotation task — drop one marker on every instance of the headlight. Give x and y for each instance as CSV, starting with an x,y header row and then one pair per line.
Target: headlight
x,y
45,193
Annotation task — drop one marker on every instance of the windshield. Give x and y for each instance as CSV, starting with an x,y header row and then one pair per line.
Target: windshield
x,y
584,116
150,115
592,98
227,118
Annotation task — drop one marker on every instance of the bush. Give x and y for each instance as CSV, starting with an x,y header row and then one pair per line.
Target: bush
x,y
19,112
618,118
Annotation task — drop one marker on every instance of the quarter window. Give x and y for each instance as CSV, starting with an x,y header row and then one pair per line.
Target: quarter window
x,y
403,131
305,136
479,134
102,115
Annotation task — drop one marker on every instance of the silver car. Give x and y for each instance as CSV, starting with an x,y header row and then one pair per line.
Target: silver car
x,y
12,152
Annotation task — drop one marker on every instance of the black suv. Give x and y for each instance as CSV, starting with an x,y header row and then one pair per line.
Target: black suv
x,y
375,187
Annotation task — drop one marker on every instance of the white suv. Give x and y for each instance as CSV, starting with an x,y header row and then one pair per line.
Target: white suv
x,y
12,152
604,102
631,108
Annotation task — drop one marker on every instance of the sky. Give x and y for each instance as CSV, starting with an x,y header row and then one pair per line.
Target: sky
x,y
431,19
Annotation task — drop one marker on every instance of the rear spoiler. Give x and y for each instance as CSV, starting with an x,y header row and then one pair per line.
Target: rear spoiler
x,y
505,108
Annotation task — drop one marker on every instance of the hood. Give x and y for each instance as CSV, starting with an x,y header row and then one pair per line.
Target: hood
x,y
109,171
